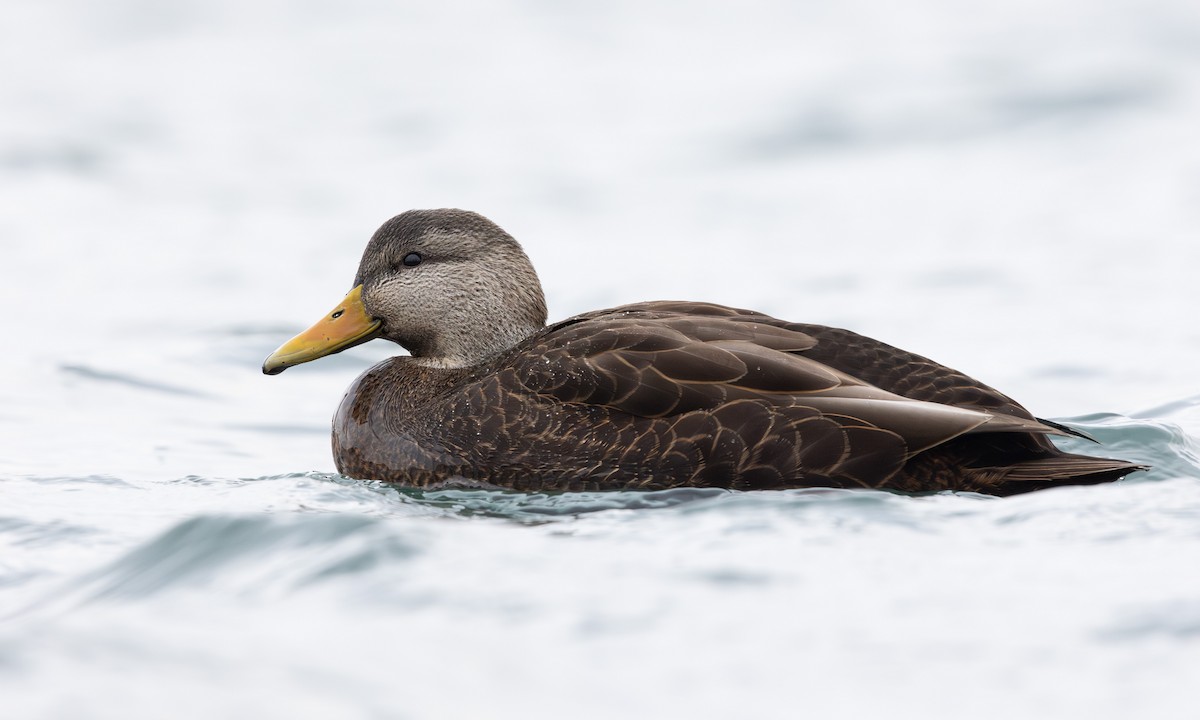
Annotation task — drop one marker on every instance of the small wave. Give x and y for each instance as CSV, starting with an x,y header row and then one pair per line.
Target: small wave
x,y
37,534
83,480
847,509
1165,447
545,507
263,553
107,376
1170,408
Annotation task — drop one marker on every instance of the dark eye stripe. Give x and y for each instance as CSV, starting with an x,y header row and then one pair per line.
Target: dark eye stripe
x,y
412,260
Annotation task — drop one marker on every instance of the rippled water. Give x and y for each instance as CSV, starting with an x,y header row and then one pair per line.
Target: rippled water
x,y
1012,190
312,594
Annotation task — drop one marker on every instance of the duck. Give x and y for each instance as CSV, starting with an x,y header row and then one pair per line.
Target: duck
x,y
648,396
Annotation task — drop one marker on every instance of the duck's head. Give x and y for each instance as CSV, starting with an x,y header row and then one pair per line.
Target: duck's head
x,y
449,285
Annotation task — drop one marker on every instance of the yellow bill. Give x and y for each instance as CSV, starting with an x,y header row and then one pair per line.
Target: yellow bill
x,y
345,326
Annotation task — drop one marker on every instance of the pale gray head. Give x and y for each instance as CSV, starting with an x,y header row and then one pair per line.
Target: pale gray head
x,y
450,286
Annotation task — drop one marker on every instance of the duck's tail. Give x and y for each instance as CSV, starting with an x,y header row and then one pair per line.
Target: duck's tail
x,y
1065,469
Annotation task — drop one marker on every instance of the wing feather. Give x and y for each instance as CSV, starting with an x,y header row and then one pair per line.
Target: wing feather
x,y
749,391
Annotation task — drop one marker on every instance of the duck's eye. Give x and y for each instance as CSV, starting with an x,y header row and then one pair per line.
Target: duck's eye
x,y
412,260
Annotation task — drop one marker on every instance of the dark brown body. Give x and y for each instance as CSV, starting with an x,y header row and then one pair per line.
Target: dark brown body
x,y
661,395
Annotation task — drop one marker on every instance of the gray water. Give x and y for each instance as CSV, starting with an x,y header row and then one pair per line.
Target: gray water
x,y
1013,190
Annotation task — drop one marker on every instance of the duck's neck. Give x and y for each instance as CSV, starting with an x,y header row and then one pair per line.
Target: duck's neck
x,y
470,332
469,348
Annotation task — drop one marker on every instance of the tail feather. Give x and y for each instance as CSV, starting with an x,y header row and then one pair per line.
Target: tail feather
x,y
1066,469
1068,430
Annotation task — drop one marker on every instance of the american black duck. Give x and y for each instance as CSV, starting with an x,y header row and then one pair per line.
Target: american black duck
x,y
652,395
